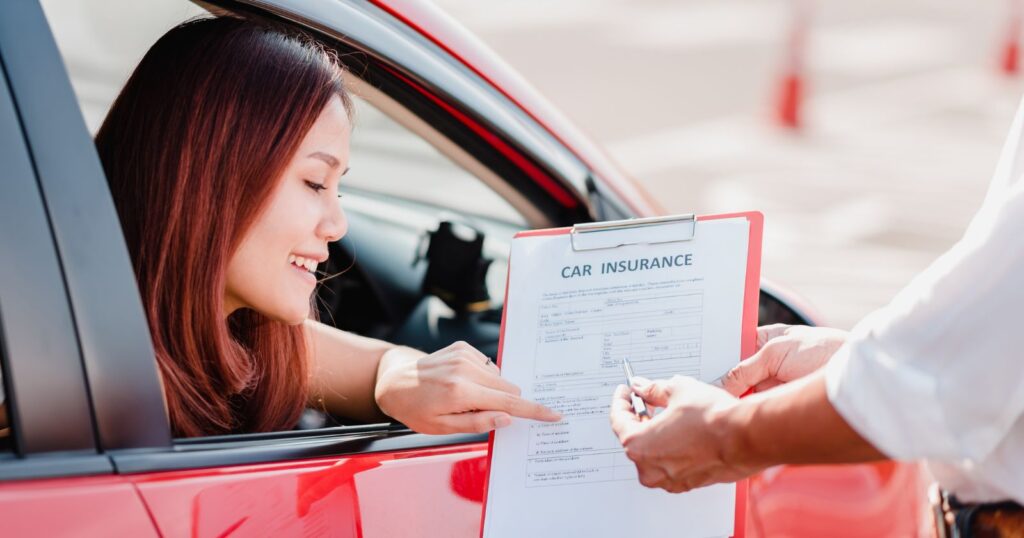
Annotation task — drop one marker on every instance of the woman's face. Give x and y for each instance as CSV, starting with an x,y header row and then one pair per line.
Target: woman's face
x,y
272,270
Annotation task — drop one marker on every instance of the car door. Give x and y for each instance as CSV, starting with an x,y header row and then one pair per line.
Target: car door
x,y
53,480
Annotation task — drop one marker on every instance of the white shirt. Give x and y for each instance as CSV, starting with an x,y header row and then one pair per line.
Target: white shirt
x,y
938,373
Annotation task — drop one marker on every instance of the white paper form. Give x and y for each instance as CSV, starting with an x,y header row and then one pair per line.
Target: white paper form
x,y
571,317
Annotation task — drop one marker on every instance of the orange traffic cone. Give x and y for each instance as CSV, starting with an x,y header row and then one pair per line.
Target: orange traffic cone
x,y
787,110
791,84
1010,61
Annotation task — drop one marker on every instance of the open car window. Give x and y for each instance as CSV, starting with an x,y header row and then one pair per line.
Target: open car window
x,y
406,176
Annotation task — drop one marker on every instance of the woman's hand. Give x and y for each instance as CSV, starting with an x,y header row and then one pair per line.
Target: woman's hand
x,y
784,353
455,390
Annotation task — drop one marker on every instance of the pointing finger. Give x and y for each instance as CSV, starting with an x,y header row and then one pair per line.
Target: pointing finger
x,y
476,422
487,399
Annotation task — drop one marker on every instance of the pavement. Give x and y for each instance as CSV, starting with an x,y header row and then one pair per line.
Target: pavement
x,y
904,120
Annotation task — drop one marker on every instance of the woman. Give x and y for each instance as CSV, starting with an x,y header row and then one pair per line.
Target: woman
x,y
224,152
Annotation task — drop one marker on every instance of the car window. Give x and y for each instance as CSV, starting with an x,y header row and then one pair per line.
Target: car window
x,y
393,154
388,158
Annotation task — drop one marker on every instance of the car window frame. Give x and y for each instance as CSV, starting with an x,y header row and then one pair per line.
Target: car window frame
x,y
113,334
249,449
44,380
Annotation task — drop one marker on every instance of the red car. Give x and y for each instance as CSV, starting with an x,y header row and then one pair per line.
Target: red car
x,y
448,132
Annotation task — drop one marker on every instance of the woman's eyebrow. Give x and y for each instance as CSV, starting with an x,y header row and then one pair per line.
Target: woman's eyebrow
x,y
329,159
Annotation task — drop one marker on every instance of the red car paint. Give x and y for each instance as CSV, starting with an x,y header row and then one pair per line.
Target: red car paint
x,y
425,492
439,492
93,506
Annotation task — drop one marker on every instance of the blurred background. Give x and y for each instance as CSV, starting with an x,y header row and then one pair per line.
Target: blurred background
x,y
906,104
906,108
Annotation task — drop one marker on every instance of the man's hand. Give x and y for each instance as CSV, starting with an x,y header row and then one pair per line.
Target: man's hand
x,y
681,447
705,436
455,390
784,353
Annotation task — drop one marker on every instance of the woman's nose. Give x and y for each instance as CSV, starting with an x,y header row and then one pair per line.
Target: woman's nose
x,y
334,226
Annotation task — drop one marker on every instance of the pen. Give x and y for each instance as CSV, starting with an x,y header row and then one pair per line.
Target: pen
x,y
639,406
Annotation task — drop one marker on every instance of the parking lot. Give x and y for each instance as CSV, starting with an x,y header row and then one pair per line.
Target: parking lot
x,y
905,117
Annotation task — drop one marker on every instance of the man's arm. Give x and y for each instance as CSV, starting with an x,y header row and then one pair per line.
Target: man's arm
x,y
794,423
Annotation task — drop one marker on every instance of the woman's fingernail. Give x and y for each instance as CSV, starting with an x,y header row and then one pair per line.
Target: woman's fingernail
x,y
502,422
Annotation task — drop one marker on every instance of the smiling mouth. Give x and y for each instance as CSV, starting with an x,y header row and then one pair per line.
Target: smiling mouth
x,y
305,264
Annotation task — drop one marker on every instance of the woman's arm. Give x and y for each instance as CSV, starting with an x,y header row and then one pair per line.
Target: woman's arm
x,y
455,389
343,371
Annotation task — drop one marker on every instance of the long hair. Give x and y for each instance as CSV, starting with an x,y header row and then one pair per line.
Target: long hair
x,y
192,148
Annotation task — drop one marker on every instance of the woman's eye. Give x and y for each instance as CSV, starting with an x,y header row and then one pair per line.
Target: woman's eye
x,y
316,186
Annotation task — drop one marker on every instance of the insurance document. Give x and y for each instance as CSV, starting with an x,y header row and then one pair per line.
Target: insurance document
x,y
571,316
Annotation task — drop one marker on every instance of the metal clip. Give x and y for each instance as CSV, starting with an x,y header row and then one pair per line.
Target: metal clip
x,y
616,233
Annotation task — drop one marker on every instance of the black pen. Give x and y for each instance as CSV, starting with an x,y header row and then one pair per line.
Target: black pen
x,y
639,406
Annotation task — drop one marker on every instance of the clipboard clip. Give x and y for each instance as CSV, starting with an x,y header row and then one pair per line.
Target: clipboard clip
x,y
616,233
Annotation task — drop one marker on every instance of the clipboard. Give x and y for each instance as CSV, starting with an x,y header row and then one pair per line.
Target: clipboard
x,y
607,235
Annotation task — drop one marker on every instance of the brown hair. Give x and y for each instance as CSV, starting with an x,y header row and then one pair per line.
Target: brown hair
x,y
192,147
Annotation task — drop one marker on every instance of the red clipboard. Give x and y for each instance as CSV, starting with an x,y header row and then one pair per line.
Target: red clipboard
x,y
748,335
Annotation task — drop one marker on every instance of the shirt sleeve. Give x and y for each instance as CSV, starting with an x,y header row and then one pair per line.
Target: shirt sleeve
x,y
938,373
